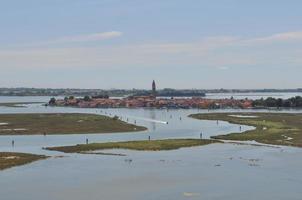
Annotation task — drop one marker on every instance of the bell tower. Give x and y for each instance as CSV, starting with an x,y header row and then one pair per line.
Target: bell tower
x,y
153,89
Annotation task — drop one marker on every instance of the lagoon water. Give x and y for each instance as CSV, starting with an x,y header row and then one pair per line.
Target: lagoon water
x,y
216,171
254,95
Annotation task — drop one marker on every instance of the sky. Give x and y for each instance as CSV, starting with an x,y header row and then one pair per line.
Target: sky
x,y
107,44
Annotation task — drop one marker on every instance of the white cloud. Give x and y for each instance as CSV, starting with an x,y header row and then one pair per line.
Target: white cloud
x,y
90,37
68,40
286,36
209,52
279,37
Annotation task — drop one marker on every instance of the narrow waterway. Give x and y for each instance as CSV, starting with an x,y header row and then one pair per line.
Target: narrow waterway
x,y
216,171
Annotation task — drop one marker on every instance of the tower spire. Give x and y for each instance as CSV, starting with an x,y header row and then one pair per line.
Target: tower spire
x,y
153,89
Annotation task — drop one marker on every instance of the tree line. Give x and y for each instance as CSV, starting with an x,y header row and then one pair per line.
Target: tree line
x,y
294,102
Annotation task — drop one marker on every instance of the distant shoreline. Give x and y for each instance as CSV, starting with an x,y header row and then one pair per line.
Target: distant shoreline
x,y
126,92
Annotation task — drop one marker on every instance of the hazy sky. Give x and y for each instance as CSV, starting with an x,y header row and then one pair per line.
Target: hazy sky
x,y
128,43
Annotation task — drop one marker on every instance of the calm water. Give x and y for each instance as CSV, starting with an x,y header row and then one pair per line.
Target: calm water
x,y
282,95
217,171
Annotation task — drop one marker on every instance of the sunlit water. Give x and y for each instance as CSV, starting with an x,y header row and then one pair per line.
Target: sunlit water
x,y
217,171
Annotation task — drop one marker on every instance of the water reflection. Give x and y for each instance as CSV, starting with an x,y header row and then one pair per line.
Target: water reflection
x,y
152,116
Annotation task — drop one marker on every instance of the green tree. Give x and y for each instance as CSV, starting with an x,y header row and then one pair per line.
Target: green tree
x,y
87,98
279,103
52,101
271,102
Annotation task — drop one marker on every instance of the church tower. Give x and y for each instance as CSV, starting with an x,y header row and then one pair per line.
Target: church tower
x,y
153,89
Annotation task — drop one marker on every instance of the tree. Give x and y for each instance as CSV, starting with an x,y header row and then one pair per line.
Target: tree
x,y
52,101
258,102
279,103
287,103
87,98
298,101
270,102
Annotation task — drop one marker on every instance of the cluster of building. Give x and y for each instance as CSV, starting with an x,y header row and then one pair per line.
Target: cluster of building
x,y
151,101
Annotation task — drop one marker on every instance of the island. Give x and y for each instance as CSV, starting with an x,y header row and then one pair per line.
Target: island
x,y
270,128
149,102
169,98
152,101
12,159
144,145
17,104
62,123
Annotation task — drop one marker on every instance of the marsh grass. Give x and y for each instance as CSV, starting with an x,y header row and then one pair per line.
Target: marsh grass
x,y
145,145
59,123
16,104
271,128
10,159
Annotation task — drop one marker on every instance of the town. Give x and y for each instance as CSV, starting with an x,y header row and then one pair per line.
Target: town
x,y
150,101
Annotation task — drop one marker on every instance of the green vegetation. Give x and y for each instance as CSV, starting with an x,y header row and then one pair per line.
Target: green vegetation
x,y
146,145
16,104
72,123
87,98
10,159
271,128
53,100
294,102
